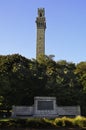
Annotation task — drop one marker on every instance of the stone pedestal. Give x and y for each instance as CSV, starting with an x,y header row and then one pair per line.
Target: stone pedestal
x,y
45,107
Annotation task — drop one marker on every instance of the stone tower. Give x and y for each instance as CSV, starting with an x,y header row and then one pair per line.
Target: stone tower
x,y
41,26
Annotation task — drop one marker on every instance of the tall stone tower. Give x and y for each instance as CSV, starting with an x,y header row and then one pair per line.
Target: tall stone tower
x,y
41,26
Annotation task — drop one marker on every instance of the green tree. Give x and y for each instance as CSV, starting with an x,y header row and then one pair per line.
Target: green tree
x,y
81,72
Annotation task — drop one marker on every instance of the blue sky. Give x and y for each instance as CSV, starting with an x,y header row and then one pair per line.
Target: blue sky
x,y
65,35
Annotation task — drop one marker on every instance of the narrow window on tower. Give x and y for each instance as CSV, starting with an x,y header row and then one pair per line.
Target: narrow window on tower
x,y
40,14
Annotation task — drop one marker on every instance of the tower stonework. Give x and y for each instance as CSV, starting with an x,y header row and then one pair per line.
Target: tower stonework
x,y
41,26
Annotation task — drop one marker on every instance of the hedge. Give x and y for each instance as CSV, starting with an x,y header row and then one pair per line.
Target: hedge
x,y
79,122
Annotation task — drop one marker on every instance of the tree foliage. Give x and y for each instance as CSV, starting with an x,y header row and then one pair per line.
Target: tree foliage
x,y
21,79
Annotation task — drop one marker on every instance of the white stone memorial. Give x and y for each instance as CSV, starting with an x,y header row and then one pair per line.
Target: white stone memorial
x,y
44,107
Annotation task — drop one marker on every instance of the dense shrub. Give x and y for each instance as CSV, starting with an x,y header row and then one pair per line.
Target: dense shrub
x,y
5,123
58,122
67,122
39,123
29,123
64,122
71,122
80,122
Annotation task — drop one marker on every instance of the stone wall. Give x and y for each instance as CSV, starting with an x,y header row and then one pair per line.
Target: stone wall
x,y
18,111
68,110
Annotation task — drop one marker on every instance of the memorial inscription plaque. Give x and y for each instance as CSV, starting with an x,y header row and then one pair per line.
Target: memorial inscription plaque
x,y
45,105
